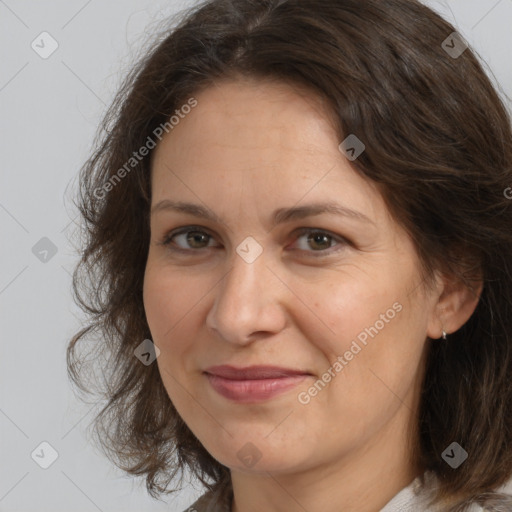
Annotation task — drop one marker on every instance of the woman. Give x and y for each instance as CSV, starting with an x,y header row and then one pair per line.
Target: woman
x,y
298,262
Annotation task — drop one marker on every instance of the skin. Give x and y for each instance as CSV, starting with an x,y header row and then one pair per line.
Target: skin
x,y
247,149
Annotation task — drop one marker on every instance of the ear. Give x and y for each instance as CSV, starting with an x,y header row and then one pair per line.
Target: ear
x,y
456,302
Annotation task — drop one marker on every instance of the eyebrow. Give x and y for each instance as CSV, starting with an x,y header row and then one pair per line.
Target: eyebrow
x,y
280,215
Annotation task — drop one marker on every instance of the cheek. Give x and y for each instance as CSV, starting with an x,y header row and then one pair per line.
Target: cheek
x,y
168,304
174,303
159,301
375,328
354,307
168,298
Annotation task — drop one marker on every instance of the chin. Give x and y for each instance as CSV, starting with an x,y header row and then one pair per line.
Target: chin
x,y
259,455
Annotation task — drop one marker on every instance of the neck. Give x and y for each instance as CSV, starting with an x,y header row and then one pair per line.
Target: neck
x,y
362,480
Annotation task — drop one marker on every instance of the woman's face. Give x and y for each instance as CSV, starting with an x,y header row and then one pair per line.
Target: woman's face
x,y
274,277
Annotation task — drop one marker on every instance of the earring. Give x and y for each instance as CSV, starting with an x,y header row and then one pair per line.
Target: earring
x,y
444,335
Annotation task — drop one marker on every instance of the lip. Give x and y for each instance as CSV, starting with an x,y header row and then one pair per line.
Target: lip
x,y
253,384
253,372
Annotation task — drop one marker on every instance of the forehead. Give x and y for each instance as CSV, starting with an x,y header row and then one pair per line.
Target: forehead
x,y
262,112
256,141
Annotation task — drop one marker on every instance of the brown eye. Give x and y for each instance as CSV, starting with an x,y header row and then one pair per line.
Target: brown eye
x,y
317,242
188,239
196,239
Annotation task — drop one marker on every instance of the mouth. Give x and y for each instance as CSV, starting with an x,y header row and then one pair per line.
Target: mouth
x,y
253,384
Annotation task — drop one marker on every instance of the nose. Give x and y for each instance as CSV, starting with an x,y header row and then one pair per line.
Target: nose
x,y
248,304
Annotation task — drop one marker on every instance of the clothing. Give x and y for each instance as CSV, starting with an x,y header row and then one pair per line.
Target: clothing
x,y
409,499
218,501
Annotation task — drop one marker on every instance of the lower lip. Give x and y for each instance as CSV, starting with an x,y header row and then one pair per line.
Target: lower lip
x,y
247,391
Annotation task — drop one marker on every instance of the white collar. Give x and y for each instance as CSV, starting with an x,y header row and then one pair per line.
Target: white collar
x,y
414,497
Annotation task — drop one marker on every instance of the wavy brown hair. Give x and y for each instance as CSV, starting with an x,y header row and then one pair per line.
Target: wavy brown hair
x,y
438,145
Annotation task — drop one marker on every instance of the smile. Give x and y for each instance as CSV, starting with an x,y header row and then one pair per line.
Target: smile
x,y
253,384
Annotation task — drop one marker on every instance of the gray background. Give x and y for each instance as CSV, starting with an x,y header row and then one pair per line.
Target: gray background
x,y
50,110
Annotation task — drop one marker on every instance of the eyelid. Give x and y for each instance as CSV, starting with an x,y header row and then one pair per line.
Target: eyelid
x,y
297,233
341,241
166,240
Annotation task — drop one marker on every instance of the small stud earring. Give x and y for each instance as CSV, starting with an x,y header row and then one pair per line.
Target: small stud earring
x,y
444,335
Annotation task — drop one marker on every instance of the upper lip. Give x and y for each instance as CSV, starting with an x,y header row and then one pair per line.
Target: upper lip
x,y
253,372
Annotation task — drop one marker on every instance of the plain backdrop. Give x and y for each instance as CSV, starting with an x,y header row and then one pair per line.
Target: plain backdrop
x,y
50,110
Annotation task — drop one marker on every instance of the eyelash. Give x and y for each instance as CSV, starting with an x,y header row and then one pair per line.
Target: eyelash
x,y
168,238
